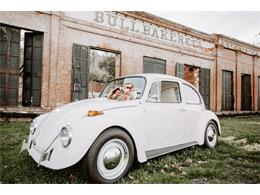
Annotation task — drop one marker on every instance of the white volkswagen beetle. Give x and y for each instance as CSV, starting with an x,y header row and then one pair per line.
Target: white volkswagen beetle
x,y
166,114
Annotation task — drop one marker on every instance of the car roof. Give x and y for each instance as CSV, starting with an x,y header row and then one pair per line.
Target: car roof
x,y
154,76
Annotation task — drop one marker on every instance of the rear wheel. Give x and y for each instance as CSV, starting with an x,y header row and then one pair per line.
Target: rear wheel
x,y
110,157
211,135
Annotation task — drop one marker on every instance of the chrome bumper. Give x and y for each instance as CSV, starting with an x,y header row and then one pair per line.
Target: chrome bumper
x,y
35,154
25,146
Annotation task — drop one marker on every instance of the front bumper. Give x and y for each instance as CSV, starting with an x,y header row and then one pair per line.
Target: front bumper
x,y
38,156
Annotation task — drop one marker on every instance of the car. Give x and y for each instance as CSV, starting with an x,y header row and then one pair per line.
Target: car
x,y
107,134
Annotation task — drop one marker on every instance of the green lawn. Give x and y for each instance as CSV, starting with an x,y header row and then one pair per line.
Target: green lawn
x,y
236,159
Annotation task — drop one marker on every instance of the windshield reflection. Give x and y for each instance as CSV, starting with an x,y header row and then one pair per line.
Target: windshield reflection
x,y
128,88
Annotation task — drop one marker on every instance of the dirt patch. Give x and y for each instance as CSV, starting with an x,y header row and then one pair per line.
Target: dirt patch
x,y
252,147
242,143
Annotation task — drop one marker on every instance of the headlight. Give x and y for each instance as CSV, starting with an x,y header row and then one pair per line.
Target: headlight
x,y
33,127
65,136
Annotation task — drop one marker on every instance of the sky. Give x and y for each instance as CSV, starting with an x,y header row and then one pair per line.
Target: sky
x,y
242,25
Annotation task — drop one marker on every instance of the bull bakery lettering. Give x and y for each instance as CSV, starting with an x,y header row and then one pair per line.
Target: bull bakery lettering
x,y
126,24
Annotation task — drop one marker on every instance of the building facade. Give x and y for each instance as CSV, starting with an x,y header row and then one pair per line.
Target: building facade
x,y
52,58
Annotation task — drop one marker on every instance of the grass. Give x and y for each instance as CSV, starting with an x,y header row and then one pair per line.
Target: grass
x,y
229,162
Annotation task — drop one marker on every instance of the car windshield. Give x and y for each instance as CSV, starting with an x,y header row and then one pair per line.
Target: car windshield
x,y
137,85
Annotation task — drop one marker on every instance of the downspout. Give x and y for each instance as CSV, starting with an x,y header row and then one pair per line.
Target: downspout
x,y
236,79
216,81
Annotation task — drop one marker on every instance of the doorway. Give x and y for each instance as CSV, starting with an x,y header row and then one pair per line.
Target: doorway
x,y
227,91
198,77
20,66
246,98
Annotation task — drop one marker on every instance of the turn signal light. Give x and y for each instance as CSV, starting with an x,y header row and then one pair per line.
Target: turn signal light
x,y
94,113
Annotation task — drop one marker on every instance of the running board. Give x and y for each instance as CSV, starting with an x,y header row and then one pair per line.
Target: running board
x,y
161,151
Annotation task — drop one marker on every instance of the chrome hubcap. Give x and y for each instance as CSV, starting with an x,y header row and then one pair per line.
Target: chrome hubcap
x,y
211,135
112,159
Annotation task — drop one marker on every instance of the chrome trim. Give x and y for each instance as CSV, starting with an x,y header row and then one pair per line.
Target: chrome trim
x,y
25,146
161,151
212,135
112,159
68,129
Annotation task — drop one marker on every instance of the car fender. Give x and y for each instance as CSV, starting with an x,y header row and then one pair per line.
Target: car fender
x,y
206,116
84,132
102,123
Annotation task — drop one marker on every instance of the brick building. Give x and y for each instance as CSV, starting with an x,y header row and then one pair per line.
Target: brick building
x,y
51,58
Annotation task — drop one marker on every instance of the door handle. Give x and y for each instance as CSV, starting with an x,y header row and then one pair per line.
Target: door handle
x,y
182,110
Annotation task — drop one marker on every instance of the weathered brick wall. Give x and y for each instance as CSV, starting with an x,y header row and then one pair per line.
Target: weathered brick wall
x,y
239,63
191,74
130,59
60,32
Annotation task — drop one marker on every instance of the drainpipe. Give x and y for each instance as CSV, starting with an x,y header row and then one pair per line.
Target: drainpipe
x,y
236,95
216,81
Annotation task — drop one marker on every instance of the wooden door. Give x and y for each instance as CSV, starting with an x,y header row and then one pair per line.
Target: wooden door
x,y
204,85
32,71
9,65
80,69
246,98
227,91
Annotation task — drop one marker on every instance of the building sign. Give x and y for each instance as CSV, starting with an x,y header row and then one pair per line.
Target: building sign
x,y
238,47
126,24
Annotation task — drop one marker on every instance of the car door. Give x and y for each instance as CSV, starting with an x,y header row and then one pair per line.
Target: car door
x,y
163,118
192,108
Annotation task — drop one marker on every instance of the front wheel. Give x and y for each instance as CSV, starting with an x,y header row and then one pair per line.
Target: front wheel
x,y
211,135
110,157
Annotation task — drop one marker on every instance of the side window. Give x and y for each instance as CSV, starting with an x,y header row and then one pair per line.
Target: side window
x,y
170,92
154,93
191,96
164,92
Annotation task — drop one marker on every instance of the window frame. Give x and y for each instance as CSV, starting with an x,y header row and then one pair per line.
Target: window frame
x,y
153,58
100,95
195,92
160,81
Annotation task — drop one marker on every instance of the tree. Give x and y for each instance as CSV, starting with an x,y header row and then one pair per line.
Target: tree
x,y
108,65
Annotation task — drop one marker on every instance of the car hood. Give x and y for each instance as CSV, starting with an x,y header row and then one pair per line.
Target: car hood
x,y
51,124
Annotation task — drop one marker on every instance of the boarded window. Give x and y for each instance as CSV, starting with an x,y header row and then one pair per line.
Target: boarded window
x,y
227,91
204,86
153,65
9,65
179,70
